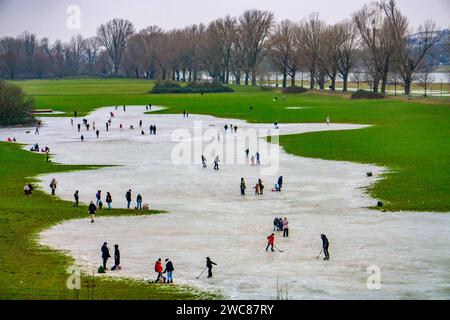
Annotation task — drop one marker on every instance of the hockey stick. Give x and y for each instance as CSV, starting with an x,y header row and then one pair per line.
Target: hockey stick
x,y
201,273
319,254
278,249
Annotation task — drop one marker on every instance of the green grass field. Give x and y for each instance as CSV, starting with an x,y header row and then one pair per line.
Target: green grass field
x,y
410,138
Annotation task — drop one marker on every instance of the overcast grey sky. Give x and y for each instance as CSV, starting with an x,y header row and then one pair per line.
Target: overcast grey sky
x,y
49,17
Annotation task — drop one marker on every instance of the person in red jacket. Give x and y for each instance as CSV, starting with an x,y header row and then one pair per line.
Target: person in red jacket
x,y
158,269
270,242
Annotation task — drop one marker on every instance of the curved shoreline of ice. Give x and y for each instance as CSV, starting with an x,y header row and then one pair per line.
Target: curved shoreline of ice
x,y
209,218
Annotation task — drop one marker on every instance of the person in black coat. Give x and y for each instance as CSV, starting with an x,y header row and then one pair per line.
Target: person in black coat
x,y
92,209
128,197
325,245
169,269
105,254
77,198
116,258
209,265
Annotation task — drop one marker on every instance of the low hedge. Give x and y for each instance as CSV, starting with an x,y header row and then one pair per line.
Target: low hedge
x,y
192,87
363,94
288,90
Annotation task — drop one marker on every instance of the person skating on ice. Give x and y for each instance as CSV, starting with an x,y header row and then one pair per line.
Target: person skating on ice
x,y
325,245
209,266
243,187
270,242
285,228
204,161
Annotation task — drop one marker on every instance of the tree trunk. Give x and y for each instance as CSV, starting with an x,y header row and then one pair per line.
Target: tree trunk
x,y
246,78
284,79
407,81
345,82
312,79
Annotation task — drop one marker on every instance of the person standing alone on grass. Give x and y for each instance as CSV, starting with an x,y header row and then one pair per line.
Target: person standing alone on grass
x,y
285,228
77,198
92,209
105,255
169,269
158,270
270,242
325,245
108,200
53,184
128,197
209,265
243,187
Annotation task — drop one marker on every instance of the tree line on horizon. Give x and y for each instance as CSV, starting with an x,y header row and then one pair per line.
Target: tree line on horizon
x,y
376,45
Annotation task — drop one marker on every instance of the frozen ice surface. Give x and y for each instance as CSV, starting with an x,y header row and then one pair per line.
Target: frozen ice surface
x,y
208,217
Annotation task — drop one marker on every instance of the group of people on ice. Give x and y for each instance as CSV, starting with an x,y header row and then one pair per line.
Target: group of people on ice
x,y
108,124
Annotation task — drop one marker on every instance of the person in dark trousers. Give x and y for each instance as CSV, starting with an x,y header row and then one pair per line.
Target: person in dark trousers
x,y
128,197
285,228
77,198
92,209
97,133
105,255
79,127
325,245
116,258
139,202
108,200
243,187
203,161
82,138
209,265
169,269
270,242
53,185
158,270
280,183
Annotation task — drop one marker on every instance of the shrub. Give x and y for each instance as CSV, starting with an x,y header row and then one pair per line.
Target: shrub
x,y
15,106
192,87
294,90
363,94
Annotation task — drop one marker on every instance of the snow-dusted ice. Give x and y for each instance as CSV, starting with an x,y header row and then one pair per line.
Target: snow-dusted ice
x,y
208,217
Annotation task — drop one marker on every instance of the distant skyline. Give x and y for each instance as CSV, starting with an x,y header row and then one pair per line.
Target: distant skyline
x,y
48,18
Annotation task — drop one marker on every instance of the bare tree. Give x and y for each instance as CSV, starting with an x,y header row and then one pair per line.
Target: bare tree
x,y
255,27
283,50
114,36
347,49
378,43
91,52
310,32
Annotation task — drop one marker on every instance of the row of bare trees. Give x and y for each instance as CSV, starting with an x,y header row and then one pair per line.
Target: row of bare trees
x,y
376,41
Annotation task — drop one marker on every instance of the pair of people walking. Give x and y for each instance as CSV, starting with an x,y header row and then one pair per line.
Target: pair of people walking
x,y
169,269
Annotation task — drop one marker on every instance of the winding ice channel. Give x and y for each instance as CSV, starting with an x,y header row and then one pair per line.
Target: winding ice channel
x,y
208,217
